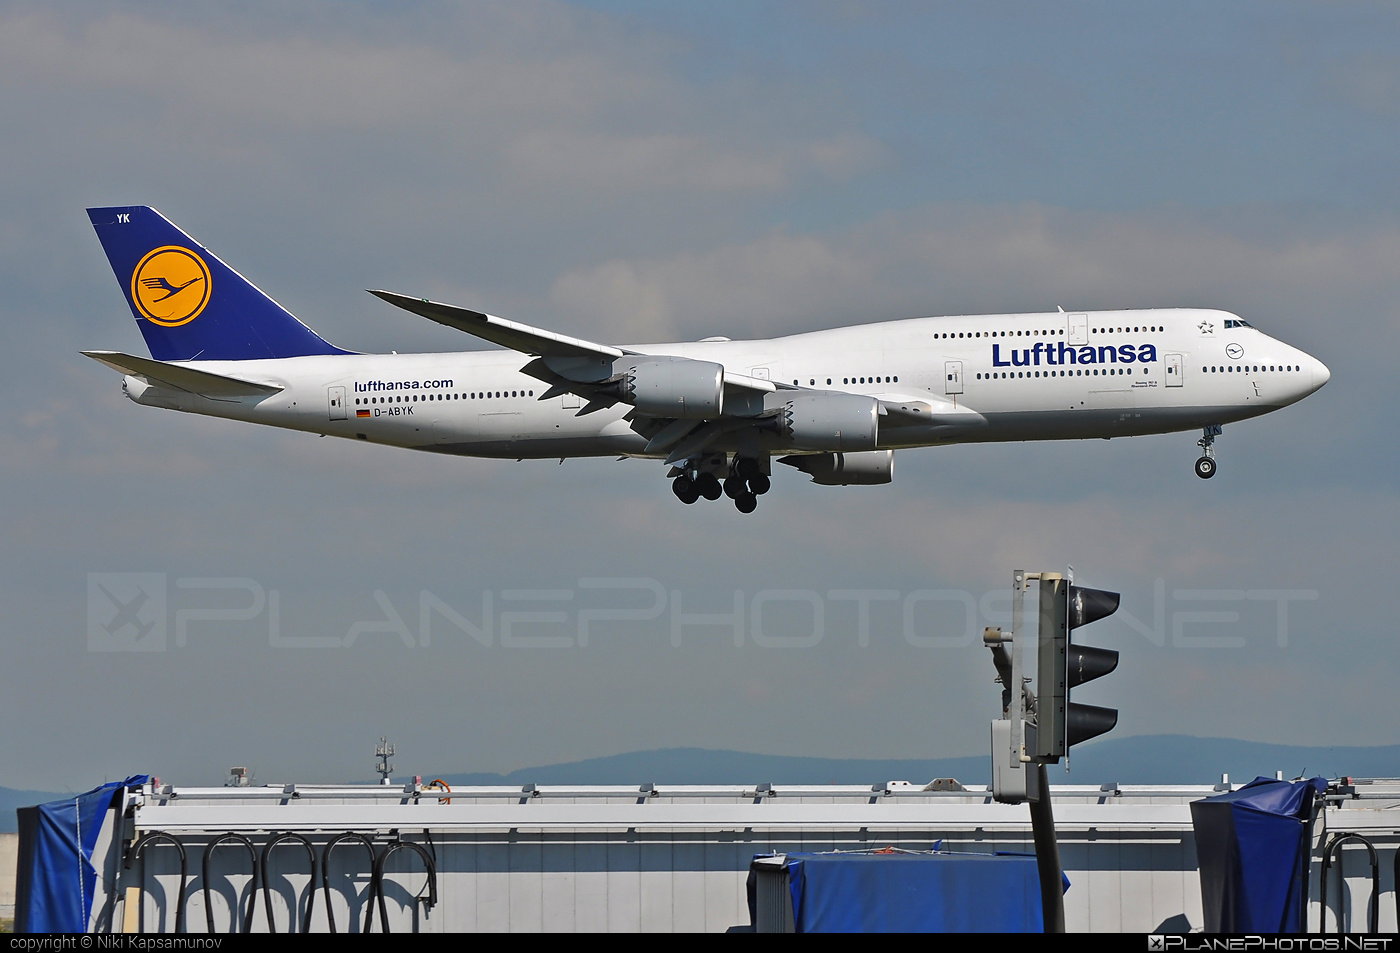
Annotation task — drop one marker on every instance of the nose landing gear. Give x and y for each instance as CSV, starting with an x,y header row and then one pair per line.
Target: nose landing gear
x,y
1205,465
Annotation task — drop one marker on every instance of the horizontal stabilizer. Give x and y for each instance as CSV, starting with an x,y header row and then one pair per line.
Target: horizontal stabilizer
x,y
181,377
517,337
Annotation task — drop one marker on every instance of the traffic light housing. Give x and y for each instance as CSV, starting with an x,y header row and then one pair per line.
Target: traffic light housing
x,y
1062,665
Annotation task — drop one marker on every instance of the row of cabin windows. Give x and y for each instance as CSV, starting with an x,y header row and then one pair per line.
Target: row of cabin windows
x,y
1095,372
1227,369
416,398
1248,369
1136,329
812,381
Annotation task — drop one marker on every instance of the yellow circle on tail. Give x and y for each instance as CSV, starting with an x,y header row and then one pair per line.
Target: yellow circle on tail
x,y
170,286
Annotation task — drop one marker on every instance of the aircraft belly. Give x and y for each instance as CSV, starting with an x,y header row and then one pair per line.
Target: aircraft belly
x,y
1098,422
500,425
544,448
517,435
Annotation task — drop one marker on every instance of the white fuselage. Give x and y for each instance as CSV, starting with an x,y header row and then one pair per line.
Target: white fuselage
x,y
1026,377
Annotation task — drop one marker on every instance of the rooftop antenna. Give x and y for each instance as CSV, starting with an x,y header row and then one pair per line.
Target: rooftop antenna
x,y
384,751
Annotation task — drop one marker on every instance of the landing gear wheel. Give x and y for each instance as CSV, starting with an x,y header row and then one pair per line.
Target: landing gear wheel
x,y
1205,466
746,503
708,485
759,484
734,488
685,490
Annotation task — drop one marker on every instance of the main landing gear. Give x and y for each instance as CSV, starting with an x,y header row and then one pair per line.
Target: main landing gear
x,y
689,489
744,484
1205,465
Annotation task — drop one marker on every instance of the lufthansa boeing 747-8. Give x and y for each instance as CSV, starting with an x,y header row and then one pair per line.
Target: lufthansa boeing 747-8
x,y
834,404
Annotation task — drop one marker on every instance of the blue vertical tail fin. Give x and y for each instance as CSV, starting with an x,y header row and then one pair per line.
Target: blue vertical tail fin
x,y
188,304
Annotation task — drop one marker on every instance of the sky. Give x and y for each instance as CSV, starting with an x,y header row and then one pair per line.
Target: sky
x,y
636,172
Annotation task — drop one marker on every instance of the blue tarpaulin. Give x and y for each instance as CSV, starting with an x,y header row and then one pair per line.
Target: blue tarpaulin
x,y
1252,850
914,893
56,874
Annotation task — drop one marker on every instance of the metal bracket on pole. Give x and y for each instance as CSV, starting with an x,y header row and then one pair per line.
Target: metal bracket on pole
x,y
1014,780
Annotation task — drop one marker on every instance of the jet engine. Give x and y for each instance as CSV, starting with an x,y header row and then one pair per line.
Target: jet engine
x,y
830,422
141,391
693,390
866,468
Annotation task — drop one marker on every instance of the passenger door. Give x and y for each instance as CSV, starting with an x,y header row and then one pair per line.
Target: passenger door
x,y
1078,329
1174,369
953,377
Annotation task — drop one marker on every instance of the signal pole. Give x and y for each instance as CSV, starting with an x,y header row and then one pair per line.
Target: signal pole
x,y
1032,733
1047,856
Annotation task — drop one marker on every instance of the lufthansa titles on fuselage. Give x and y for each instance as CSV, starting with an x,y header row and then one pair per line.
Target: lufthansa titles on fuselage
x,y
1062,353
365,387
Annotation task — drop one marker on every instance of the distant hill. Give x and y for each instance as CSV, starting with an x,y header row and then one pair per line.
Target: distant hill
x,y
11,799
707,766
1148,759
1182,759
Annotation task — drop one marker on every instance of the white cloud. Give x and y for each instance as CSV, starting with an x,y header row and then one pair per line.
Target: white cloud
x,y
747,285
942,260
585,109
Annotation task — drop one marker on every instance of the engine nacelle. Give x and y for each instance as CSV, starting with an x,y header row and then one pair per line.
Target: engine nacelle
x,y
134,387
866,468
830,422
688,389
142,391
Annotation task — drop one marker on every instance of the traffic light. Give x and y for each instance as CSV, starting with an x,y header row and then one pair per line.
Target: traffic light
x,y
1062,665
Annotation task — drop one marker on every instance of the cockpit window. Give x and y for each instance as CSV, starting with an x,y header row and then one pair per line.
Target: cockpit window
x,y
1237,323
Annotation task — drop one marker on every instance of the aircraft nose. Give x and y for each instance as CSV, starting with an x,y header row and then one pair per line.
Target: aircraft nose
x,y
1320,373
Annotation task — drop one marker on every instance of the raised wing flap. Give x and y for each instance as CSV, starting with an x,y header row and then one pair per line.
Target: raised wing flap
x,y
517,337
181,377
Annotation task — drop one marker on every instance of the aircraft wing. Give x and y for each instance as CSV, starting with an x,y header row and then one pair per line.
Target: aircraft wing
x,y
181,377
560,352
517,337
